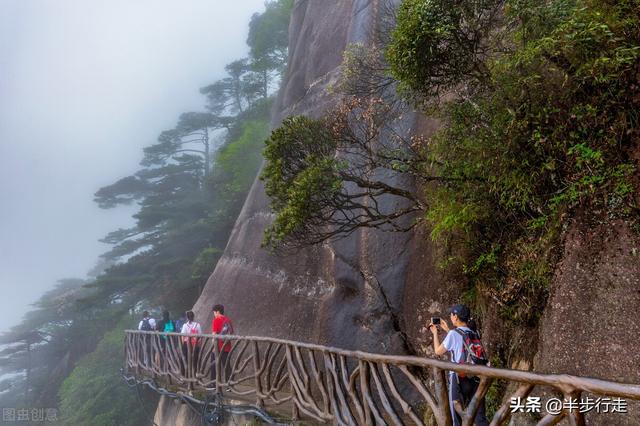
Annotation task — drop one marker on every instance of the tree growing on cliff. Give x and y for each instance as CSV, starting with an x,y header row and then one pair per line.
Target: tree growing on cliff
x,y
365,73
170,187
442,45
268,40
232,95
250,79
194,178
329,177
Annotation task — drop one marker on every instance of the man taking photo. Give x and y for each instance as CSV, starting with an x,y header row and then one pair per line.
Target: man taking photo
x,y
463,345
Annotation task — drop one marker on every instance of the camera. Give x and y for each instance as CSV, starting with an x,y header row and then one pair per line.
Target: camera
x,y
435,321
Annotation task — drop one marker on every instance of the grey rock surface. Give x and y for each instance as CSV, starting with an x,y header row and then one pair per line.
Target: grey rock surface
x,y
590,322
346,293
174,413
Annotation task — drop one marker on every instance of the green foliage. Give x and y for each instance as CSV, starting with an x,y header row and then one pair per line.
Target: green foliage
x,y
450,216
553,132
328,178
204,263
238,161
95,393
175,224
297,136
251,79
233,94
300,172
269,35
47,342
548,125
439,43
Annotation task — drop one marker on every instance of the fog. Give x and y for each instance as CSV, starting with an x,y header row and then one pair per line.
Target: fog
x,y
84,85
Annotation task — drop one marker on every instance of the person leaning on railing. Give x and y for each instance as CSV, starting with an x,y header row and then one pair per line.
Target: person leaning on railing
x,y
461,388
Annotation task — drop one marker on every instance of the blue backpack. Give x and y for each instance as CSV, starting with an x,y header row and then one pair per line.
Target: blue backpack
x,y
179,324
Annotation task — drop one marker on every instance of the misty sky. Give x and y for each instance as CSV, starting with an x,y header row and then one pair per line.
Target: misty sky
x,y
84,85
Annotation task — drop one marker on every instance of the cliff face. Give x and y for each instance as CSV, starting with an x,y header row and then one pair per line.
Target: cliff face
x,y
590,325
347,293
374,291
174,413
371,291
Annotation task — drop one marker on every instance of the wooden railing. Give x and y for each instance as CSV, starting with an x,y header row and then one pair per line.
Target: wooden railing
x,y
340,386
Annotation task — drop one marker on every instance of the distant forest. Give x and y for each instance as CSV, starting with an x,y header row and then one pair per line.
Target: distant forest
x,y
66,353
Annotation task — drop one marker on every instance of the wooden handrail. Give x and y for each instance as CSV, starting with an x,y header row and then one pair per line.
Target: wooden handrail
x,y
330,384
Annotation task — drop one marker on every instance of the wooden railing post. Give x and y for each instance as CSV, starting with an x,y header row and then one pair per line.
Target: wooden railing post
x,y
364,390
504,412
189,373
575,417
154,354
256,368
295,413
476,401
217,364
126,352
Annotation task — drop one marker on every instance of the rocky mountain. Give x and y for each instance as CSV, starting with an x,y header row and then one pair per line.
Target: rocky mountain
x,y
374,291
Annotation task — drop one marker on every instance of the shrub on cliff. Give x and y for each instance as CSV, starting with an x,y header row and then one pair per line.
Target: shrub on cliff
x,y
439,44
328,177
549,126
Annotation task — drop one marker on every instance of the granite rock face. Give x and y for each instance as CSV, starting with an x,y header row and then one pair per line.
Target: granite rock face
x,y
174,413
590,322
347,293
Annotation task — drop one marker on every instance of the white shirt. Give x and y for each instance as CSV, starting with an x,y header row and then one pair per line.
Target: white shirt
x,y
152,323
191,328
455,345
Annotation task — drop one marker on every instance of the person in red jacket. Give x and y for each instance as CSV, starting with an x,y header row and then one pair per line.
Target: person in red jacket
x,y
221,325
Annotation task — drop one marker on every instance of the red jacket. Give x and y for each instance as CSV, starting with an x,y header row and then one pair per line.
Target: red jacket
x,y
217,326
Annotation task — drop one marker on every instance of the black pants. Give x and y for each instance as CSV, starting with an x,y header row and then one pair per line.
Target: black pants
x,y
462,389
